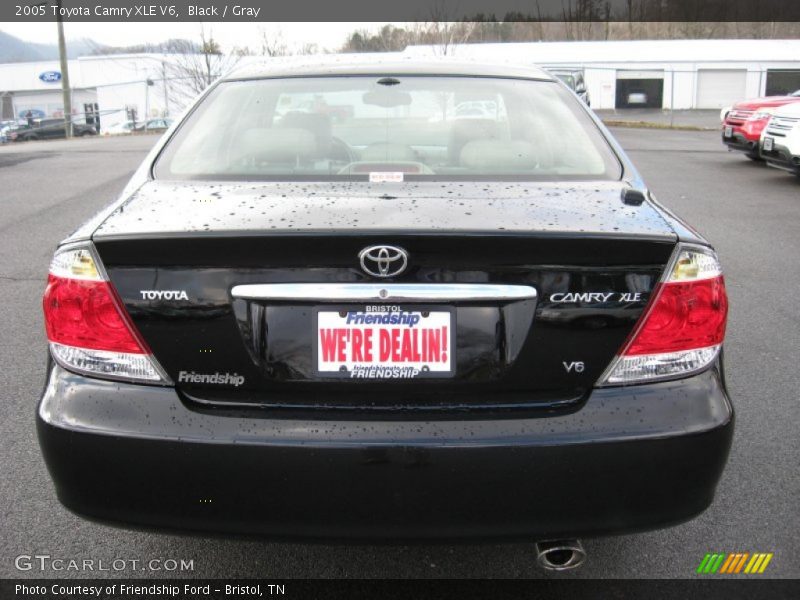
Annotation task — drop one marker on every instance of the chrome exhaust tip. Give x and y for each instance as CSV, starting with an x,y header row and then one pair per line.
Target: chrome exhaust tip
x,y
560,555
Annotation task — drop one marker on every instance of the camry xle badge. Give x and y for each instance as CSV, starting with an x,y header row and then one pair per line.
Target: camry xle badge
x,y
383,261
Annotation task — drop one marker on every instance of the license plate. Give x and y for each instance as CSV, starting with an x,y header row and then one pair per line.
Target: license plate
x,y
768,142
384,342
728,131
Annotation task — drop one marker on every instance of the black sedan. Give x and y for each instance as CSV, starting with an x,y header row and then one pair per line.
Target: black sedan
x,y
46,129
401,324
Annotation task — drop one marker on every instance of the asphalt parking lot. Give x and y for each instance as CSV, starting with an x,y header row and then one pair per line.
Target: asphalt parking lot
x,y
750,212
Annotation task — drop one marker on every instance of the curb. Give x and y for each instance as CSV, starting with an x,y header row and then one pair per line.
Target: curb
x,y
654,125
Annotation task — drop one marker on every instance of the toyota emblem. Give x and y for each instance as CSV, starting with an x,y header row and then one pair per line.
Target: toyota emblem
x,y
383,261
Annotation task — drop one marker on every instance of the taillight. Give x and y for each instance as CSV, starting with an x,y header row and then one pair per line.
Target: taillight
x,y
682,329
87,326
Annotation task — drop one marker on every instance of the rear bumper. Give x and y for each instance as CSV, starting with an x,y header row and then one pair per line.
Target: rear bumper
x,y
630,459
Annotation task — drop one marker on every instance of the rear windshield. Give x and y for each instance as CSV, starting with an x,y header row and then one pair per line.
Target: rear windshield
x,y
388,129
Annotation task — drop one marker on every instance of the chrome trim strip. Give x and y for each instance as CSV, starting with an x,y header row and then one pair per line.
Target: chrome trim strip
x,y
390,292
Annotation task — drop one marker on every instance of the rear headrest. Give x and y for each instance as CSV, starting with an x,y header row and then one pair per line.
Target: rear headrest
x,y
467,130
499,156
276,145
388,152
317,123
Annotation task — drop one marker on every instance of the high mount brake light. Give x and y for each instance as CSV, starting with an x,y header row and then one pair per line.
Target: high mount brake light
x,y
682,329
87,326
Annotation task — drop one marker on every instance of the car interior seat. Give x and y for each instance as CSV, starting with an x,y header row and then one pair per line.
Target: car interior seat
x,y
317,124
464,131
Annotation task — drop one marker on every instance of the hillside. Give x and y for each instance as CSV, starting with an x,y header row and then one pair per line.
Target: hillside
x,y
13,49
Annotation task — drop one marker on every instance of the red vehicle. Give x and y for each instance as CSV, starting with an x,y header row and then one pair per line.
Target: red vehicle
x,y
744,122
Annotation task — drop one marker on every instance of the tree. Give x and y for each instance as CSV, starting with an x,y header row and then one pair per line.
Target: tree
x,y
445,35
273,44
192,66
388,39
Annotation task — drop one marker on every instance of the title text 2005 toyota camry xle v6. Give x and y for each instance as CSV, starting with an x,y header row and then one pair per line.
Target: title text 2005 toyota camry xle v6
x,y
328,306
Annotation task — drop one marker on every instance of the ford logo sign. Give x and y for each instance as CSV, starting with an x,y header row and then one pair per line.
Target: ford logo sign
x,y
50,76
35,113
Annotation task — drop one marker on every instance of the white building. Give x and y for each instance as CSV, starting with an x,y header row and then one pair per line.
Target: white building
x,y
682,74
106,87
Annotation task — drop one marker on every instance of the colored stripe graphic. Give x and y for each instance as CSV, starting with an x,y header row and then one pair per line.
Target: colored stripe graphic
x,y
755,563
734,562
758,563
715,567
732,558
741,562
703,563
709,568
764,564
751,563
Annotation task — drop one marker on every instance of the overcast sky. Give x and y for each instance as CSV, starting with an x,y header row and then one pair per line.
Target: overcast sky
x,y
326,35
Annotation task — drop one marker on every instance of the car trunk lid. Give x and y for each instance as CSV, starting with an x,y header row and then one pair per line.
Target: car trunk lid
x,y
176,253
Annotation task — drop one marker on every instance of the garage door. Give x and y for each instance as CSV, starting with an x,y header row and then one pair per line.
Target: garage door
x,y
720,87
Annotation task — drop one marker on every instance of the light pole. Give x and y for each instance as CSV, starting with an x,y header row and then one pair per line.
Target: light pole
x,y
166,89
65,91
672,98
147,83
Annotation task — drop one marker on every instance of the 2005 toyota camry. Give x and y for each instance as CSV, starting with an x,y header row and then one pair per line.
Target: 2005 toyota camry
x,y
387,300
